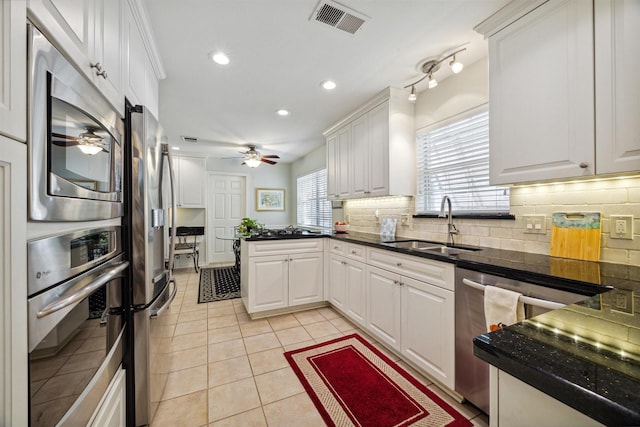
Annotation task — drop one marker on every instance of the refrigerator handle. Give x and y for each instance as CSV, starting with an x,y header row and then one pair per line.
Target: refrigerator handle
x,y
172,179
155,312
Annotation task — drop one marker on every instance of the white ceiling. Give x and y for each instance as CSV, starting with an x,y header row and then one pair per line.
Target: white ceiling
x,y
279,57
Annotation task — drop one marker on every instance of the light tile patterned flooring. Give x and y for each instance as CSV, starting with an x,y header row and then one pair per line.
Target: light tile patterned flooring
x,y
229,370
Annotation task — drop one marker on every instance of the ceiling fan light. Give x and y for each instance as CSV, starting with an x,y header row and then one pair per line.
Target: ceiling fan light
x,y
252,163
89,149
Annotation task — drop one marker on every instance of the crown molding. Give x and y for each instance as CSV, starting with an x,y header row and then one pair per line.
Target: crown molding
x,y
514,10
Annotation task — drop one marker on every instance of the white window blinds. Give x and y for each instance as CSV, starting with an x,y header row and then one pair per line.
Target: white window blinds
x,y
313,207
453,160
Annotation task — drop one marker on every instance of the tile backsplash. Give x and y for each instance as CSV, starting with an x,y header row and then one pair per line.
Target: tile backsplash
x,y
614,196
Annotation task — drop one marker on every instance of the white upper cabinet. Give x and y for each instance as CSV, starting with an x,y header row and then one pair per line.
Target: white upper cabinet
x,y
371,152
541,95
13,71
89,32
190,172
551,115
617,59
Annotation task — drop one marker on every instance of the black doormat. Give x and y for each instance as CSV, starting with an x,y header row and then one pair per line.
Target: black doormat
x,y
218,284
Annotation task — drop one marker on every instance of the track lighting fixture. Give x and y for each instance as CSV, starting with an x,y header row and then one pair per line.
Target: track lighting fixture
x,y
412,95
431,66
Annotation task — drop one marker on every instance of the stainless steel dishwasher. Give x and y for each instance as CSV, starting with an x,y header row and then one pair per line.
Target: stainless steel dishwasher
x,y
472,374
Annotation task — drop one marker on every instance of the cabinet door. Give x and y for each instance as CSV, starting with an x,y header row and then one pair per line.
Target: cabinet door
x,y
332,166
13,70
383,306
428,316
542,121
268,282
112,411
14,392
617,37
191,182
359,157
107,50
378,168
306,278
337,281
135,59
356,301
344,141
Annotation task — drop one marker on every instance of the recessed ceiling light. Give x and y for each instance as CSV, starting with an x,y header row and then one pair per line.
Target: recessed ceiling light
x,y
283,112
328,85
219,58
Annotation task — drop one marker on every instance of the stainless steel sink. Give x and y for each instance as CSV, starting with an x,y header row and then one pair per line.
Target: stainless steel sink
x,y
427,246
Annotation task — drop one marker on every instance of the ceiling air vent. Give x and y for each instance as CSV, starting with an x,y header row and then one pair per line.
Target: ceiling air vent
x,y
338,16
189,139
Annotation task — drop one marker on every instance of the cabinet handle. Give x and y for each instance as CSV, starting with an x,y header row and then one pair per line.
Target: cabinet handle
x,y
367,192
102,74
584,165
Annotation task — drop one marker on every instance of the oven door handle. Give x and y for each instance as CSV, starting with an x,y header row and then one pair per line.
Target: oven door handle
x,y
67,300
155,312
550,305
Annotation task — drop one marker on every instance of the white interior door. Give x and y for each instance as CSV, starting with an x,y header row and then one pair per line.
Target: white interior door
x,y
226,207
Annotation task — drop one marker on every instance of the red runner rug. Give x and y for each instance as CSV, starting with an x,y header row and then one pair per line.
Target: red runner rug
x,y
354,384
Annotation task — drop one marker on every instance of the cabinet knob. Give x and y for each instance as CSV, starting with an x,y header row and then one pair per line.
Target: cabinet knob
x,y
344,263
399,264
395,282
584,165
97,66
102,74
400,283
354,252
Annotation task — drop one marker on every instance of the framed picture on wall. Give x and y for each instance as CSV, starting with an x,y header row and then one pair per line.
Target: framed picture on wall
x,y
269,199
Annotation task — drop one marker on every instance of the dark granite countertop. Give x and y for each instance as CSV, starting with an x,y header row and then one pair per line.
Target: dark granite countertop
x,y
586,355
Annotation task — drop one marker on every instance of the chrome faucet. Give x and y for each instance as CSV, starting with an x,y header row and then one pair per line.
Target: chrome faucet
x,y
451,229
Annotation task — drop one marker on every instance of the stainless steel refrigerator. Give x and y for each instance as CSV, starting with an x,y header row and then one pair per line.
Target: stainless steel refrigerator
x,y
152,285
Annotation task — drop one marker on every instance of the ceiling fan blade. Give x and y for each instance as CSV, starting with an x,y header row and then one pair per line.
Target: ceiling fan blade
x,y
235,157
271,162
271,156
62,136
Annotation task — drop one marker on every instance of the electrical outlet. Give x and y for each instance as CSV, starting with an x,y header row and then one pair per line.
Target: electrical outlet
x,y
535,224
377,214
405,219
621,227
622,301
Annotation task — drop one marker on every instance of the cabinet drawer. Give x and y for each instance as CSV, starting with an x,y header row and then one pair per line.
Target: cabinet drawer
x,y
338,248
273,247
437,273
356,252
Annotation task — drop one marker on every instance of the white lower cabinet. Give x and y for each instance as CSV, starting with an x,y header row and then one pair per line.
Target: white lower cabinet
x,y
515,403
279,274
347,280
414,317
383,306
427,315
113,408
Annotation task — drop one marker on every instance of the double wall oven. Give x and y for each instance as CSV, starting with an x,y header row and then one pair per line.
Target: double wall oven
x,y
77,303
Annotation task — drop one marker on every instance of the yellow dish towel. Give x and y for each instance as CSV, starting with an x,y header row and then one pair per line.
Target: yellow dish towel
x,y
502,307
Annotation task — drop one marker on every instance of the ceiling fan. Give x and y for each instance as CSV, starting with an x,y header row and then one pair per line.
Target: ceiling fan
x,y
88,142
253,158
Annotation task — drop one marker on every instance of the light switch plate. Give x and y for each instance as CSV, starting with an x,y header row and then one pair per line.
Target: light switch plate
x,y
535,224
621,227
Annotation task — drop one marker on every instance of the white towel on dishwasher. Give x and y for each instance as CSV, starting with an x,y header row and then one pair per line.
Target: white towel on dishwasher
x,y
502,307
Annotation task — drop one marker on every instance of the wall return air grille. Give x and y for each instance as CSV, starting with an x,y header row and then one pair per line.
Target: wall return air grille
x,y
338,16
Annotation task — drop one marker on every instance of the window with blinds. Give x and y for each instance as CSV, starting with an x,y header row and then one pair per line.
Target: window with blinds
x,y
453,160
313,207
